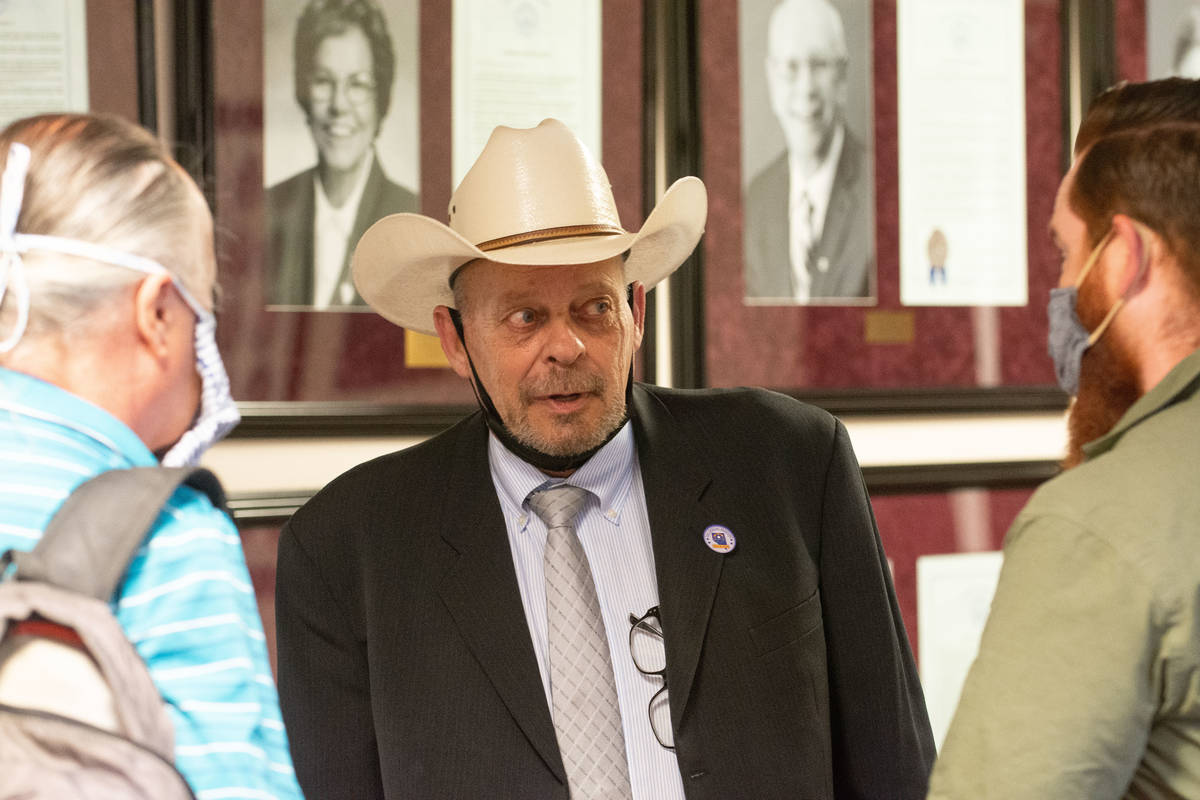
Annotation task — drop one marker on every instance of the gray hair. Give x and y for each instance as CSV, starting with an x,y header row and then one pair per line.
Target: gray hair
x,y
103,180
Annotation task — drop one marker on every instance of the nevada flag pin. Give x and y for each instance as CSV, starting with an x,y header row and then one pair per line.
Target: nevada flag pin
x,y
719,538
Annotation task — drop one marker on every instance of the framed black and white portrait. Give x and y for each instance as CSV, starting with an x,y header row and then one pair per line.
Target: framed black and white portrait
x,y
807,152
340,139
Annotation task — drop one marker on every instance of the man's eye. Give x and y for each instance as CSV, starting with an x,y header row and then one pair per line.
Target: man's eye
x,y
599,307
523,317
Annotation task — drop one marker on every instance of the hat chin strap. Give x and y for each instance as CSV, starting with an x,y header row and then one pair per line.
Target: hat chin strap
x,y
538,458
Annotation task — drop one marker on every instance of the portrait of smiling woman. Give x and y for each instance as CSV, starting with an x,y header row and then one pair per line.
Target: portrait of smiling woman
x,y
344,68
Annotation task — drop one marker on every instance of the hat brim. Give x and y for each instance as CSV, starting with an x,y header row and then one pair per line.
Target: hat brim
x,y
403,263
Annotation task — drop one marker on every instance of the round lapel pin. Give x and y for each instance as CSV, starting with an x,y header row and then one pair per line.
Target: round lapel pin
x,y
719,538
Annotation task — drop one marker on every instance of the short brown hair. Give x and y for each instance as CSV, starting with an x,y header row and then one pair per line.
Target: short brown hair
x,y
1138,153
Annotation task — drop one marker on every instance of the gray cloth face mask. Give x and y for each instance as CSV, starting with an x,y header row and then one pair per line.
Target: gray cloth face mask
x,y
1068,339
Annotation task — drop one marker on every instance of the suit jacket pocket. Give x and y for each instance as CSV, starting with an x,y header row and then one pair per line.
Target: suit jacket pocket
x,y
790,626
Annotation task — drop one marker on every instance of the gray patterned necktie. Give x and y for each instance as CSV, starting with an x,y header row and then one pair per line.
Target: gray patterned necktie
x,y
587,717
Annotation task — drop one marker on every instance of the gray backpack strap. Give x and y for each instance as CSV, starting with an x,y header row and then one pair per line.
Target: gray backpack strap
x,y
88,544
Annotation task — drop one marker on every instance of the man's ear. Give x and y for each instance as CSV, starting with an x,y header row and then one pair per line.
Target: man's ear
x,y
1138,247
638,306
155,306
452,345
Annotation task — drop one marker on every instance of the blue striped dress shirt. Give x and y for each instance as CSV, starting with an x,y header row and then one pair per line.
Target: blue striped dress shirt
x,y
186,603
615,532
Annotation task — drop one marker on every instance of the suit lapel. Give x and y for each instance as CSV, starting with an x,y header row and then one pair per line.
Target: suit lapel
x,y
481,593
368,205
295,258
840,222
676,481
775,231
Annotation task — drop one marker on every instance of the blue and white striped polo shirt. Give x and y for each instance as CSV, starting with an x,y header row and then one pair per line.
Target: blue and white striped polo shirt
x,y
187,602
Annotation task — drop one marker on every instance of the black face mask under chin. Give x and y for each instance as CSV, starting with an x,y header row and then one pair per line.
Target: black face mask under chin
x,y
542,460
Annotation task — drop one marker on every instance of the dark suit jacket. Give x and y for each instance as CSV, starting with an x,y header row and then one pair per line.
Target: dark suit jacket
x,y
290,214
406,668
843,261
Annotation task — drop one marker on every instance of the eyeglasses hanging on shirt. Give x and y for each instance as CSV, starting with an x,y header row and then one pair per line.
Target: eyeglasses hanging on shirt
x,y
649,652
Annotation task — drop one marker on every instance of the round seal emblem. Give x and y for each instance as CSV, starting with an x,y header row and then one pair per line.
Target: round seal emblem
x,y
719,538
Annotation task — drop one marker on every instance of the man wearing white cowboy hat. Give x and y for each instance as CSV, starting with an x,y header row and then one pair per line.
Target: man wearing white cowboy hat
x,y
591,588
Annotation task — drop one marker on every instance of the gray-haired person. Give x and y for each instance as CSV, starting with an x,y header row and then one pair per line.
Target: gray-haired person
x,y
107,360
592,587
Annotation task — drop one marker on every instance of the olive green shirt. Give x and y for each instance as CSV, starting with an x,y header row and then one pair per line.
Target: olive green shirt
x,y
1087,683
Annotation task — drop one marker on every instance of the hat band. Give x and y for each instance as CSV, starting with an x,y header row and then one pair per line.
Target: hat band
x,y
549,234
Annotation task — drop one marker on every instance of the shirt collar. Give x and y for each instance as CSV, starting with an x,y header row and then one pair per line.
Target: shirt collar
x,y
26,396
1180,383
608,475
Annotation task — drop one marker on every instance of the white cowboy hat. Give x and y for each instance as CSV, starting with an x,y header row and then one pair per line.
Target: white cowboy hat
x,y
535,196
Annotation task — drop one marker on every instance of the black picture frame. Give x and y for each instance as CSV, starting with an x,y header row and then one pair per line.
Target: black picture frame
x,y
1086,30
672,136
195,134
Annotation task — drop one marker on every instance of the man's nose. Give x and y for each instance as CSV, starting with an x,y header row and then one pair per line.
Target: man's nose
x,y
803,84
564,345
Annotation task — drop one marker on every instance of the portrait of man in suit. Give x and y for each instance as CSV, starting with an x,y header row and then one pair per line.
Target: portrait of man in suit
x,y
344,65
809,213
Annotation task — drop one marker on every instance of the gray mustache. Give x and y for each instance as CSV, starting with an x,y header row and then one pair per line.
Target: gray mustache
x,y
563,382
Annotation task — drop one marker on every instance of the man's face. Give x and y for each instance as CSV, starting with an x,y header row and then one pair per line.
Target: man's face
x,y
341,100
1108,376
1069,232
806,74
553,347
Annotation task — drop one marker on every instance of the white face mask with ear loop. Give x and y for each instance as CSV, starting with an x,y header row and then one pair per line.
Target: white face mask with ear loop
x,y
218,412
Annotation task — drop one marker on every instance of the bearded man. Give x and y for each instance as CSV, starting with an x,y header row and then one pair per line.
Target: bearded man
x,y
591,588
1086,681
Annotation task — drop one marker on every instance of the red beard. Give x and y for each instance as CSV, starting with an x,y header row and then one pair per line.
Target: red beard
x,y
1107,383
